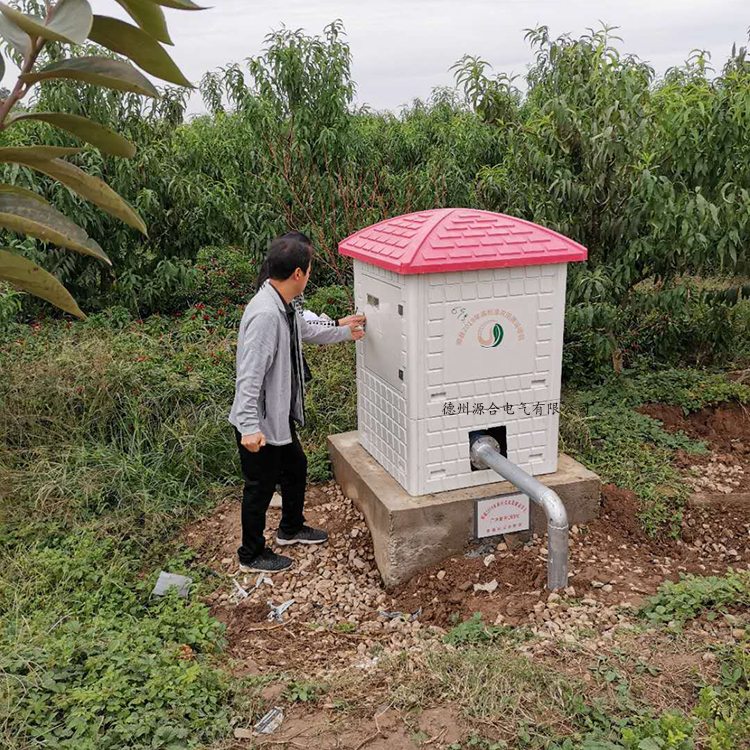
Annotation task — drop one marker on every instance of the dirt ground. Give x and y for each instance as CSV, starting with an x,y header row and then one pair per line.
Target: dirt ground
x,y
342,618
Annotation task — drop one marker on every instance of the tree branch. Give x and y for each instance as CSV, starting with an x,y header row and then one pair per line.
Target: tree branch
x,y
21,89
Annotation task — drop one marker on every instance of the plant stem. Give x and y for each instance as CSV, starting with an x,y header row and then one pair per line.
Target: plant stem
x,y
21,89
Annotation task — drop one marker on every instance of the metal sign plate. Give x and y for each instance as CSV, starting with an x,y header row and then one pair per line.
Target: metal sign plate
x,y
504,514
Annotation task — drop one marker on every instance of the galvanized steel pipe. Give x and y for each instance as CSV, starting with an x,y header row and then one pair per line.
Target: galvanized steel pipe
x,y
485,454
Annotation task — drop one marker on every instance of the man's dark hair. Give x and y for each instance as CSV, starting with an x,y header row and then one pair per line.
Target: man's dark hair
x,y
287,254
297,236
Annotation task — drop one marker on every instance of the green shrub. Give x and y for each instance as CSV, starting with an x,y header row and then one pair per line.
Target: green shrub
x,y
227,276
331,300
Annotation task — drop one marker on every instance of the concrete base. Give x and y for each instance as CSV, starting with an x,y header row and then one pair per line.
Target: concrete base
x,y
411,534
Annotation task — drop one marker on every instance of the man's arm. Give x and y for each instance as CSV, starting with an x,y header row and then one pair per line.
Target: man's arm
x,y
317,334
317,320
259,348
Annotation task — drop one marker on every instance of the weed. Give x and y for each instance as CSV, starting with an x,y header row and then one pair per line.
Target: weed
x,y
303,692
473,631
345,627
692,595
724,708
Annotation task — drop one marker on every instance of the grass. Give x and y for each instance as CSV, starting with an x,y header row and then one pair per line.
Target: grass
x,y
114,435
110,441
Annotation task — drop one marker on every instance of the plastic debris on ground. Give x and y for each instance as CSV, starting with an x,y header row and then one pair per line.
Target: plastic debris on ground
x,y
240,590
270,722
368,663
240,593
488,587
277,613
167,581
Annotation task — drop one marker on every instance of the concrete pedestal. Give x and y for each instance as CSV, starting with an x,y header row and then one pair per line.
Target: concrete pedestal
x,y
411,534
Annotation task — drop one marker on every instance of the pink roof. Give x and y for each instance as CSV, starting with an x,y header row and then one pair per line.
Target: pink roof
x,y
458,239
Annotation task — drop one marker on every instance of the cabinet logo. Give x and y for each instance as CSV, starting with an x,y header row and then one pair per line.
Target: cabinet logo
x,y
490,334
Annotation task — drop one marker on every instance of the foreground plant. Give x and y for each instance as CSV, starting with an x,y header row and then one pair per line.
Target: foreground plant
x,y
72,22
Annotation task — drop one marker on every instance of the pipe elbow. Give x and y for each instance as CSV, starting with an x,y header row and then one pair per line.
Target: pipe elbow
x,y
557,516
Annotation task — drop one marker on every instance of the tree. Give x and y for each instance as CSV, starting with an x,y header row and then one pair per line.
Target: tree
x,y
36,41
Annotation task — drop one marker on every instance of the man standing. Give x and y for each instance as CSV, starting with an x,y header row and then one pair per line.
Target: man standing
x,y
269,399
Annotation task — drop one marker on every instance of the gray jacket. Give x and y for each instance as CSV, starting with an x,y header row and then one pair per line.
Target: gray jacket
x,y
263,390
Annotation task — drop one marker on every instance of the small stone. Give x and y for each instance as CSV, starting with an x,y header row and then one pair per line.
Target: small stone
x,y
489,560
570,591
607,589
441,575
597,584
738,632
502,547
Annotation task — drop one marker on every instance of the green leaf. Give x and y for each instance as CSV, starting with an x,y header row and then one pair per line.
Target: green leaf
x,y
91,188
136,44
21,272
179,4
21,154
149,16
15,190
70,23
85,129
28,216
112,74
17,38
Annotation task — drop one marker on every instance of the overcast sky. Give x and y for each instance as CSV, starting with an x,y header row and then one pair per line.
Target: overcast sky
x,y
404,48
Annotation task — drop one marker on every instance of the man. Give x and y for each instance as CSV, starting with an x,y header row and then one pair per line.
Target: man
x,y
269,399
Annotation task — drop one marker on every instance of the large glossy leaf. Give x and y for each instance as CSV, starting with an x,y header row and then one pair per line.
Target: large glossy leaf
x,y
70,23
17,38
22,154
112,74
90,188
30,277
16,190
28,216
179,4
149,16
85,129
136,44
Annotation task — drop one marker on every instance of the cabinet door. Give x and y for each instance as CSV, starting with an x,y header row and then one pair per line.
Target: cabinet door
x,y
382,342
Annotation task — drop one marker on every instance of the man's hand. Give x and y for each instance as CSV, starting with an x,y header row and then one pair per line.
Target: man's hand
x,y
253,443
354,323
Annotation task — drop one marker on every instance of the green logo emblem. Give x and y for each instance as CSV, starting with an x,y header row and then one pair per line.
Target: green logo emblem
x,y
496,336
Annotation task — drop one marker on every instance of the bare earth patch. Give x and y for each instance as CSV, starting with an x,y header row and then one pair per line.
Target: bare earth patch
x,y
344,626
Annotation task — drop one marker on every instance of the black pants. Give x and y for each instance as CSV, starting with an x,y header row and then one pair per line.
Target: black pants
x,y
262,471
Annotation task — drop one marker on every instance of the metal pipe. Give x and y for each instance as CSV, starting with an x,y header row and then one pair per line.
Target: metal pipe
x,y
485,454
